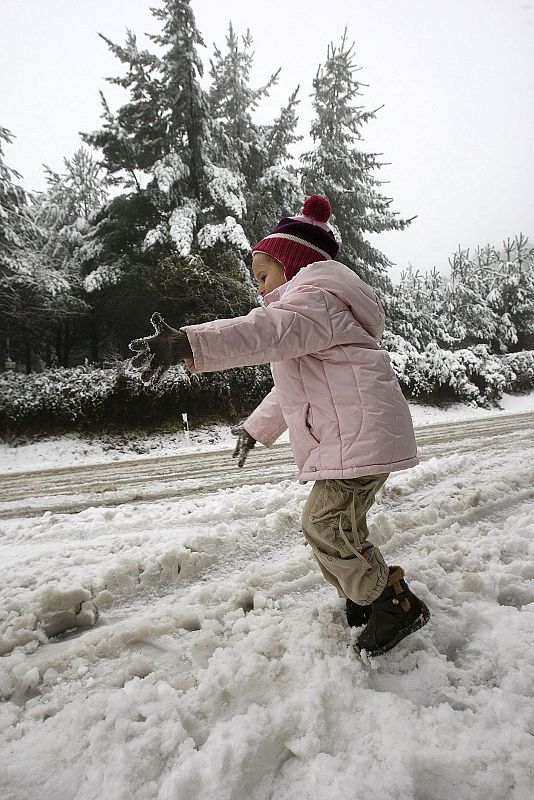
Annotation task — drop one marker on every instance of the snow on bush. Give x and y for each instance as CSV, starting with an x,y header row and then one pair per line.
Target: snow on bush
x,y
63,395
520,370
472,375
89,397
408,365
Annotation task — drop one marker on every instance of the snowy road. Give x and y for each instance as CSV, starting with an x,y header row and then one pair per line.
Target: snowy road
x,y
75,488
165,632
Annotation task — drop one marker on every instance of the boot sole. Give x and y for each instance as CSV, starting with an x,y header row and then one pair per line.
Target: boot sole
x,y
421,620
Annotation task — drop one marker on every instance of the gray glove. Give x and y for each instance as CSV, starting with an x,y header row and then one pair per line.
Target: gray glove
x,y
245,442
155,354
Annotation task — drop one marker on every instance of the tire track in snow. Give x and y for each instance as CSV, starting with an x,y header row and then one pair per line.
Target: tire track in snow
x,y
73,489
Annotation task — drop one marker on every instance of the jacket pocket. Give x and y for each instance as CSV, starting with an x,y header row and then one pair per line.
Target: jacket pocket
x,y
307,425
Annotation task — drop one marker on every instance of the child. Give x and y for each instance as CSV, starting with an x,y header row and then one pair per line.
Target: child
x,y
334,388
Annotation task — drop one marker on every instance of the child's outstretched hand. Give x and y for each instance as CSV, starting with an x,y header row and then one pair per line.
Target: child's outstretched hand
x,y
155,354
245,442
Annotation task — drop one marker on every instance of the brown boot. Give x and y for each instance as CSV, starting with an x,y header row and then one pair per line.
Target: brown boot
x,y
395,614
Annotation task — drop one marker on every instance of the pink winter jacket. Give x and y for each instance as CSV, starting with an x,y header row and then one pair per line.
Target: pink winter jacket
x,y
334,387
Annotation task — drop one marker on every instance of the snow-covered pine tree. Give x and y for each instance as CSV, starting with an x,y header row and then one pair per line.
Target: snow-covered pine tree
x,y
13,241
205,192
147,246
135,136
186,102
251,159
510,293
62,216
136,144
415,309
278,192
13,200
342,171
31,289
469,318
237,141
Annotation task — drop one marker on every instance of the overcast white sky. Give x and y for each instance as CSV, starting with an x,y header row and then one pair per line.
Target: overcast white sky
x,y
456,78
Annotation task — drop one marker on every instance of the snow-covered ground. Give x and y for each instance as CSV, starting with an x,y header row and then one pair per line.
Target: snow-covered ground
x,y
167,635
89,449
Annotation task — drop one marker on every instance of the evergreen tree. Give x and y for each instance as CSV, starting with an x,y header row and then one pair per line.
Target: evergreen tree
x,y
23,288
135,136
33,291
137,149
278,192
62,217
181,69
186,207
501,284
238,142
13,203
517,290
469,317
13,236
344,173
415,309
208,181
256,156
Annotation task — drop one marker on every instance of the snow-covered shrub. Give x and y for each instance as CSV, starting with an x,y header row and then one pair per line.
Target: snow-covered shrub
x,y
408,365
471,375
519,368
86,397
57,396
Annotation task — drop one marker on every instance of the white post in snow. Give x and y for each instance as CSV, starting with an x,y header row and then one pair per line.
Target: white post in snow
x,y
186,428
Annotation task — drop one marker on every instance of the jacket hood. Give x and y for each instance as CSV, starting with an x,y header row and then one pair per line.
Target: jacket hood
x,y
343,283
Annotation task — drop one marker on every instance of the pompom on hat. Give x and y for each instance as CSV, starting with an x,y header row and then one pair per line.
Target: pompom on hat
x,y
301,240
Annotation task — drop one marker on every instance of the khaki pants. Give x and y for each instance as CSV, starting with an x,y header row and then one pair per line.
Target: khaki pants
x,y
334,524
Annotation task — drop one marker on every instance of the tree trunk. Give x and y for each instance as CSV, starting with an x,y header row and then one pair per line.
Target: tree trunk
x,y
95,341
66,345
27,355
59,353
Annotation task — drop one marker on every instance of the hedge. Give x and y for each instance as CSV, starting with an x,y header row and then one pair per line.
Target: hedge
x,y
89,398
96,398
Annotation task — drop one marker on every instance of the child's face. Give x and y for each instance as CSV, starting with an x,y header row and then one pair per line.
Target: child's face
x,y
268,272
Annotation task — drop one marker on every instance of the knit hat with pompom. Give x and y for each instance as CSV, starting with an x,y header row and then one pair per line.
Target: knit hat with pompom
x,y
299,241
